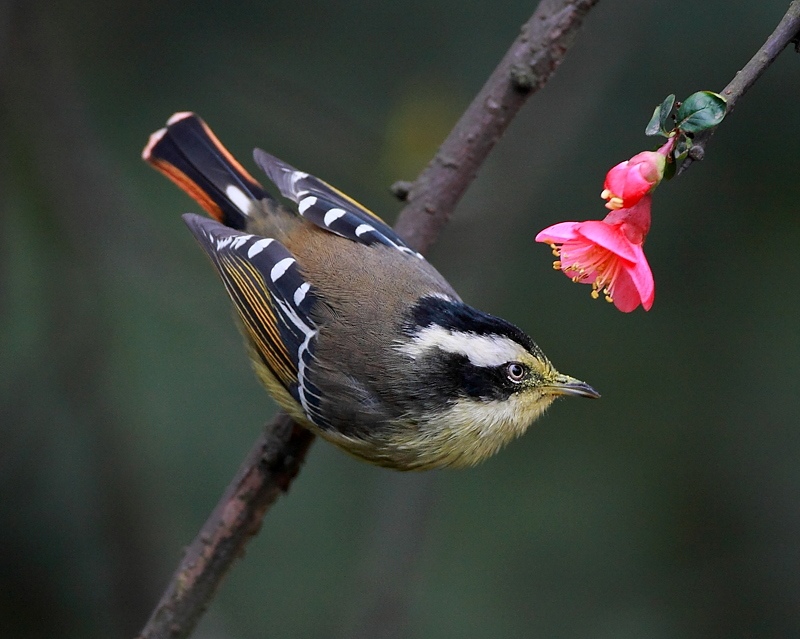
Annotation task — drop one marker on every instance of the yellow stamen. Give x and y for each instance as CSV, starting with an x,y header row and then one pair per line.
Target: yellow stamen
x,y
614,202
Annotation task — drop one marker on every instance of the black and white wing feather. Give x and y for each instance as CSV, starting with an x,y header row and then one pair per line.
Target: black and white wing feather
x,y
327,207
273,301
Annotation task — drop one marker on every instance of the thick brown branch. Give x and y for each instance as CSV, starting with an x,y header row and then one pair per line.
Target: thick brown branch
x,y
277,455
788,30
526,68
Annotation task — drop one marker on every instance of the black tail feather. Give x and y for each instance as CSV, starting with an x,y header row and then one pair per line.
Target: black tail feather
x,y
189,154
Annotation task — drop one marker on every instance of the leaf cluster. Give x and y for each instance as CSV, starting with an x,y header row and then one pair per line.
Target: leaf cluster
x,y
701,111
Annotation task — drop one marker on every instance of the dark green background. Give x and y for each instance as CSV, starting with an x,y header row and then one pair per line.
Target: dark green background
x,y
668,509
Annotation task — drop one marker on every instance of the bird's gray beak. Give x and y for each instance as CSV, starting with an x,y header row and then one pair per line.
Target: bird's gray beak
x,y
566,385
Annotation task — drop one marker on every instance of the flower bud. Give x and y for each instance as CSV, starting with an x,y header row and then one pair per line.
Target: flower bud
x,y
629,181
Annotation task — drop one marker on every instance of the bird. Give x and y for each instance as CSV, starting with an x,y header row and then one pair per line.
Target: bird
x,y
352,331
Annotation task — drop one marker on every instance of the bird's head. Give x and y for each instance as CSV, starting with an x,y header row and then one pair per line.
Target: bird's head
x,y
481,381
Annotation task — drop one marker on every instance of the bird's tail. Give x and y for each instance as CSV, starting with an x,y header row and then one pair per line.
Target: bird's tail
x,y
189,154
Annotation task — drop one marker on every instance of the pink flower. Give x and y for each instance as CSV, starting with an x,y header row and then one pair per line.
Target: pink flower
x,y
631,180
607,254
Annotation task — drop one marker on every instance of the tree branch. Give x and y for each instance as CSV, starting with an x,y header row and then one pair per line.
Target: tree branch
x,y
277,455
788,30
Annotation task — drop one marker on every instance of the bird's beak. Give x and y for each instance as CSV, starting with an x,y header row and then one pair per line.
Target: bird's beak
x,y
566,385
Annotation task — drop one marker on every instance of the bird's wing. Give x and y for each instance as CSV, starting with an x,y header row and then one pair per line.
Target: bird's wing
x,y
327,207
273,301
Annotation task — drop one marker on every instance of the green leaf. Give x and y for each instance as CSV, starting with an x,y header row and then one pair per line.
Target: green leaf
x,y
654,126
701,111
666,110
658,123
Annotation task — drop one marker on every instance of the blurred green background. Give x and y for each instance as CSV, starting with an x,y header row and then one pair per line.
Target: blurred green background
x,y
669,509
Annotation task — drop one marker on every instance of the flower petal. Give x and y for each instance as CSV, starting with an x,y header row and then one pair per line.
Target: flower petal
x,y
625,295
615,178
634,221
642,278
609,237
634,285
636,187
559,233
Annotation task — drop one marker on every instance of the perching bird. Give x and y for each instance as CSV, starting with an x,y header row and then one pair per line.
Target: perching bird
x,y
354,333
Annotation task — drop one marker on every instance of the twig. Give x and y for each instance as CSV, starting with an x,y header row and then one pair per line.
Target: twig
x,y
788,30
277,455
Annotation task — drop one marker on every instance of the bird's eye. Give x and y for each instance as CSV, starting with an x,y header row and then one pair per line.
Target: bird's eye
x,y
515,371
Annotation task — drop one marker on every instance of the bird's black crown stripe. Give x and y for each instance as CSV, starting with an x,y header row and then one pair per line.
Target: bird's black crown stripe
x,y
457,316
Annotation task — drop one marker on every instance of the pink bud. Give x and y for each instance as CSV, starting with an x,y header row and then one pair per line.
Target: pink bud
x,y
629,181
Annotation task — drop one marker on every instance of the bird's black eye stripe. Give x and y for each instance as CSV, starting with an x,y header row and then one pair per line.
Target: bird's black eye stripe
x,y
454,376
